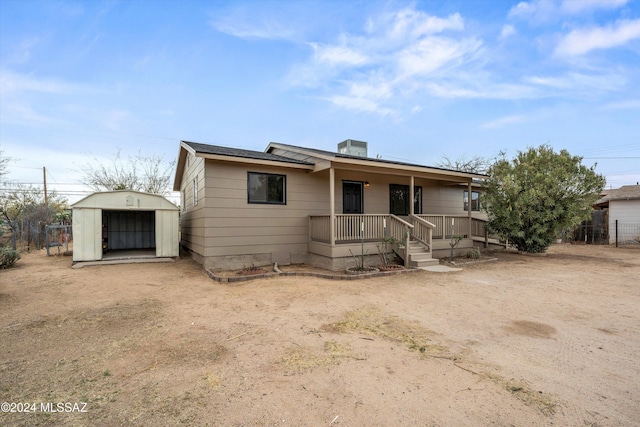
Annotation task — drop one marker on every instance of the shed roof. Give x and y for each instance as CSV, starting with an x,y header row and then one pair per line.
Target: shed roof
x,y
626,192
125,200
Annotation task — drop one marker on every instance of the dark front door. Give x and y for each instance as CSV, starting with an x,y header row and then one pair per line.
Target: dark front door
x,y
352,197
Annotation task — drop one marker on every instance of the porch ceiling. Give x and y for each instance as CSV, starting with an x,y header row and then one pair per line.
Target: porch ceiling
x,y
406,171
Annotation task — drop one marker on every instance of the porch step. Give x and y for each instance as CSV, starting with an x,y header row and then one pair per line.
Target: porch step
x,y
419,256
422,260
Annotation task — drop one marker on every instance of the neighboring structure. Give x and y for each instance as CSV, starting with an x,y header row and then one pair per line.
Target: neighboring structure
x,y
111,222
623,207
292,204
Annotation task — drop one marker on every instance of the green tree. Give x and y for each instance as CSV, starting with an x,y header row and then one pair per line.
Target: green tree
x,y
532,198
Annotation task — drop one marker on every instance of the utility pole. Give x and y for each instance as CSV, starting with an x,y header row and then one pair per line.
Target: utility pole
x,y
44,174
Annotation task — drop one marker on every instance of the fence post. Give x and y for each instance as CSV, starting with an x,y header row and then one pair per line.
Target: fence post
x,y
616,233
486,236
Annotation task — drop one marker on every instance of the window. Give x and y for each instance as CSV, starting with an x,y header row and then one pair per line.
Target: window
x,y
475,200
184,199
267,188
195,190
399,199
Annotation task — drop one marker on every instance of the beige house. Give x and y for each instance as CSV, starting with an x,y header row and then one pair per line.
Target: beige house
x,y
124,224
293,204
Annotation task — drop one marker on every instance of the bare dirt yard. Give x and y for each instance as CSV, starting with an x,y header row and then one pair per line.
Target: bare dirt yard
x,y
521,341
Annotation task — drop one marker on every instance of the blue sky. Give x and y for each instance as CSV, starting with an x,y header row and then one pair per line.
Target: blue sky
x,y
417,80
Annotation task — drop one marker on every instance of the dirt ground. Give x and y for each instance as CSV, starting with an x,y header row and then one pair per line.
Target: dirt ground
x,y
521,341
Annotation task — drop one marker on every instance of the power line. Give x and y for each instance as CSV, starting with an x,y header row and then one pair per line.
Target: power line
x,y
611,158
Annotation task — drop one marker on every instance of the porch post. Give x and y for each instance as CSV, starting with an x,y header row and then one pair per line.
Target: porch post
x,y
332,206
411,196
469,209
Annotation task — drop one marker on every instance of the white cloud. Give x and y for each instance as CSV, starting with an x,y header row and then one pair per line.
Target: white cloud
x,y
578,6
481,90
576,82
433,53
359,104
394,54
581,41
18,112
507,31
536,11
11,82
270,30
541,11
338,55
503,121
626,104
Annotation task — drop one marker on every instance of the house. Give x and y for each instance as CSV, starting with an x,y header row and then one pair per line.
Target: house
x,y
124,224
291,204
623,212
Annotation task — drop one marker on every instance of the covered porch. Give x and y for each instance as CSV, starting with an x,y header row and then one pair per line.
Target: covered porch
x,y
340,235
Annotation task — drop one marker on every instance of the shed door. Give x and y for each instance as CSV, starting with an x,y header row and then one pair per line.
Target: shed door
x,y
351,197
129,229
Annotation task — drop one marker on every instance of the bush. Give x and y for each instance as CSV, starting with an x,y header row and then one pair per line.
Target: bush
x,y
8,257
474,253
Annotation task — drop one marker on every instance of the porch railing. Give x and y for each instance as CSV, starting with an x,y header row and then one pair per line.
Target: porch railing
x,y
448,225
354,228
375,227
422,230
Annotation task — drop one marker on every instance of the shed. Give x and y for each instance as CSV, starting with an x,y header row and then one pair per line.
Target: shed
x,y
126,223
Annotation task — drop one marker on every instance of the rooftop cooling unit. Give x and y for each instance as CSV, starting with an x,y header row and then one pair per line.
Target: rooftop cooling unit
x,y
353,148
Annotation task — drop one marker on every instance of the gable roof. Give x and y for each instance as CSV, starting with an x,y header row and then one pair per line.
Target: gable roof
x,y
313,160
349,159
238,152
626,192
229,154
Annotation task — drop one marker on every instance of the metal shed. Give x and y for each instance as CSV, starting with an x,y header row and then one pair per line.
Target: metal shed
x,y
124,223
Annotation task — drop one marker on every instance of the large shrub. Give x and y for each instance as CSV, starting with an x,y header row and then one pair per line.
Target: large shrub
x,y
535,196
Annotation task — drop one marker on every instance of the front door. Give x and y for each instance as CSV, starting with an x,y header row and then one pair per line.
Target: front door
x,y
352,197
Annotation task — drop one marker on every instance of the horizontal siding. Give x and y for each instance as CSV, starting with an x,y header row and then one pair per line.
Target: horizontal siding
x,y
435,199
625,211
236,227
255,249
192,216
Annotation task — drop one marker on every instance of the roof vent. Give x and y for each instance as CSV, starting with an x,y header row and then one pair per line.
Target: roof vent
x,y
353,148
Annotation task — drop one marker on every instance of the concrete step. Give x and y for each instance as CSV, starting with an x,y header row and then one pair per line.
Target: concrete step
x,y
424,263
420,256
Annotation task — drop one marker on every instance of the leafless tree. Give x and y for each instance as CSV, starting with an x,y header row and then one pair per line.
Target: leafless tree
x,y
150,174
475,164
4,163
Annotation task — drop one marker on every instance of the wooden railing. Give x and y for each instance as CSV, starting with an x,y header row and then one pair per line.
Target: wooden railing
x,y
478,227
422,230
401,230
374,227
358,228
448,225
354,228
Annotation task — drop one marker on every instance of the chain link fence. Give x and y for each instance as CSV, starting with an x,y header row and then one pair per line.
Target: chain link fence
x,y
626,234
